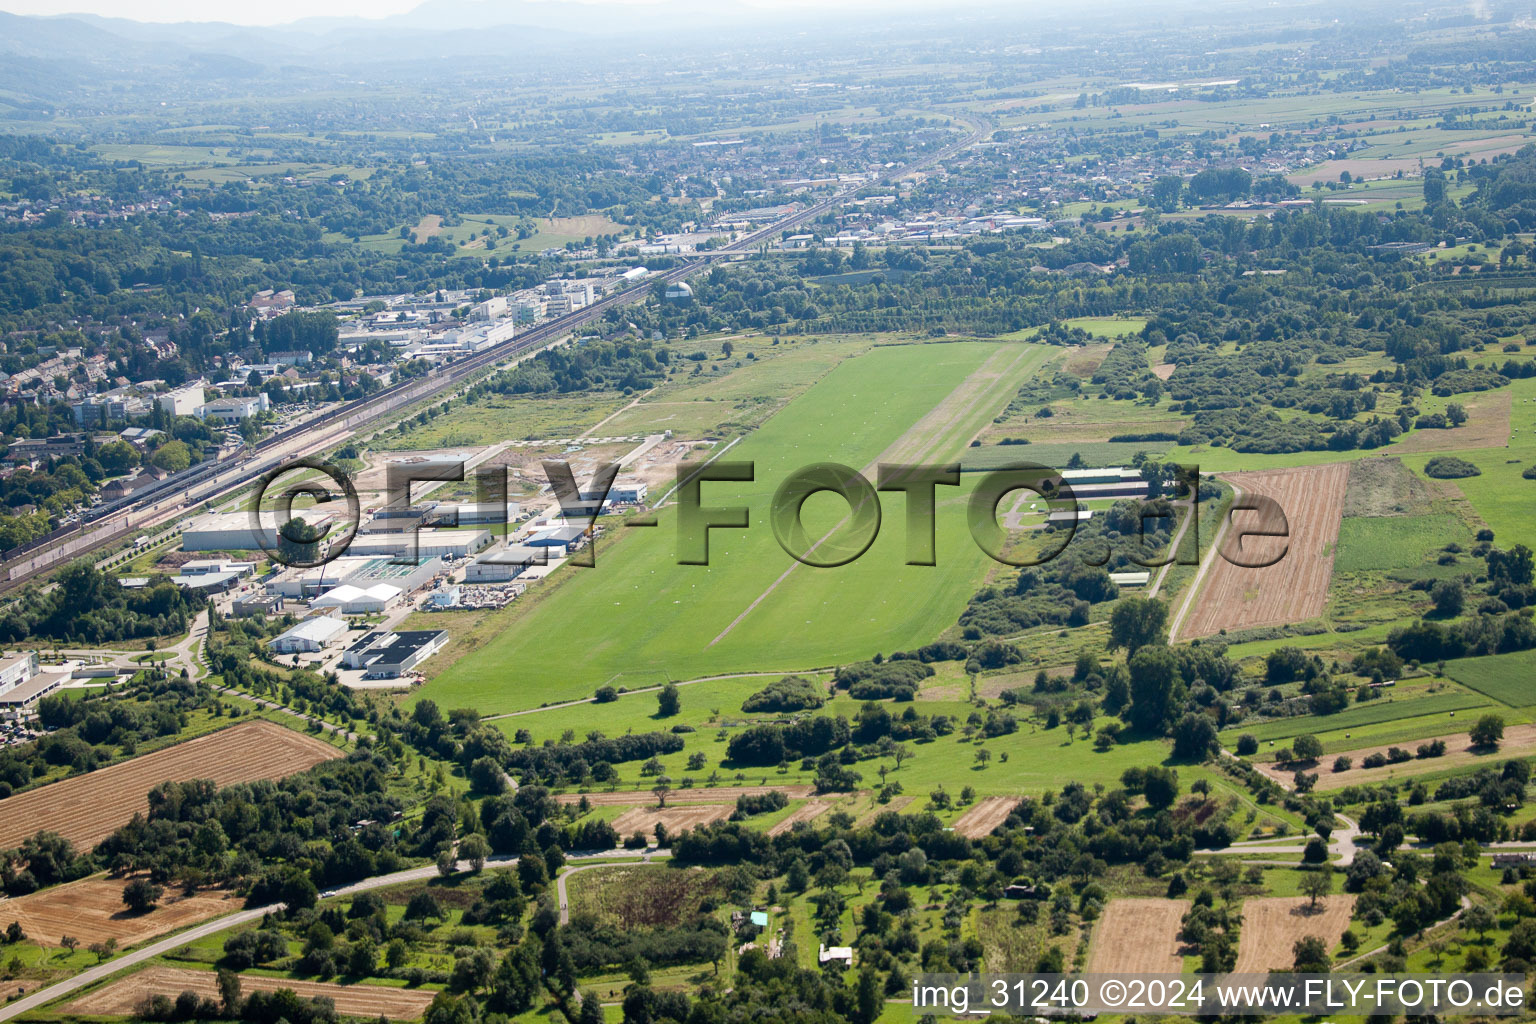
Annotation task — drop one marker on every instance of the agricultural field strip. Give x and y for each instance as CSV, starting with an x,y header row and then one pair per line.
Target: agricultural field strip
x,y
92,910
1138,936
1271,926
124,996
1294,588
928,439
984,817
1375,712
85,809
1519,741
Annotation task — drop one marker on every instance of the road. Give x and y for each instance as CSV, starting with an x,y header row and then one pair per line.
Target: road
x,y
649,855
1341,846
248,464
44,996
1205,565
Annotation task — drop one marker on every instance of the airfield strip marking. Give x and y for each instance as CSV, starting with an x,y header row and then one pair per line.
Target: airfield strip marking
x,y
934,424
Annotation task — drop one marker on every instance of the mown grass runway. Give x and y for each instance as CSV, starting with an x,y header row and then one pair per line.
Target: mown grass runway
x,y
638,617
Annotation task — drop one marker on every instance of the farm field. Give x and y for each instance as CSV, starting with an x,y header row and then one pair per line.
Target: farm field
x,y
92,910
1395,542
121,998
985,816
662,620
85,809
1375,712
808,811
1507,678
719,794
1519,741
1272,925
643,820
1295,587
1138,936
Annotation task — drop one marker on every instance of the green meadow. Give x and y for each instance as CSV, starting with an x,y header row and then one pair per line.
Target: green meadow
x,y
639,618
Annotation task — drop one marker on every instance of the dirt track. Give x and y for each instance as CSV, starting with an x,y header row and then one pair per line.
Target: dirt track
x,y
121,998
1136,936
1519,741
719,794
985,816
1272,925
1295,587
85,809
92,910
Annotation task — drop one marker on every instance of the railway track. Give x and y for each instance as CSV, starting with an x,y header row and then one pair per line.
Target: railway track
x,y
175,494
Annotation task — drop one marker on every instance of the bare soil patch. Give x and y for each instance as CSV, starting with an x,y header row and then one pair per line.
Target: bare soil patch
x,y
1136,936
1272,925
86,809
1162,371
121,998
805,812
720,794
92,910
1295,587
985,816
677,819
1519,741
1487,426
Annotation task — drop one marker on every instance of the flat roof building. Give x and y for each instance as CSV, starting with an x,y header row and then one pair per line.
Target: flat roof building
x,y
235,531
505,564
429,543
388,654
353,600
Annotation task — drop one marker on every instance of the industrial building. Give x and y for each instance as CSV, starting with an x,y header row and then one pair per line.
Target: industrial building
x,y
351,600
480,513
564,538
183,401
310,636
235,531
233,410
429,543
212,575
361,571
387,654
266,605
505,564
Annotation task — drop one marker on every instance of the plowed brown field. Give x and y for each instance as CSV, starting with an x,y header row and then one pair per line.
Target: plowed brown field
x,y
985,816
92,910
121,998
1272,925
86,809
1138,937
1295,587
677,819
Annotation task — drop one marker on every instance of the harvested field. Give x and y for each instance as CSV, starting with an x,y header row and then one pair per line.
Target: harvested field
x,y
1487,426
677,819
805,812
121,998
985,816
92,910
1084,361
86,809
1272,925
719,794
1295,587
1136,936
1383,486
1519,741
1162,371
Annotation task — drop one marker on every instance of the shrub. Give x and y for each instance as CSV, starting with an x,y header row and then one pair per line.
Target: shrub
x,y
1449,467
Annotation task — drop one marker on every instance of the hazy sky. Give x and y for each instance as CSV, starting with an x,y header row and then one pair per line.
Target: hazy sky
x,y
276,12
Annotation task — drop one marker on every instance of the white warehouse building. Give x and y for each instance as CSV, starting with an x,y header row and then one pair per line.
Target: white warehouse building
x,y
234,531
351,600
308,637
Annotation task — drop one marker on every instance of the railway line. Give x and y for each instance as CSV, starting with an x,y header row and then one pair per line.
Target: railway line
x,y
171,497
